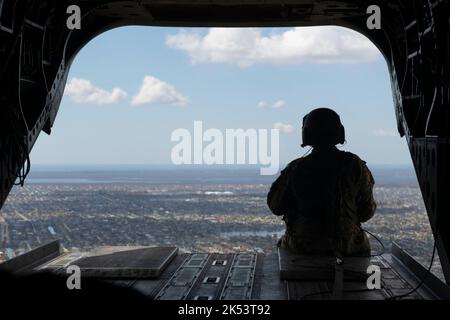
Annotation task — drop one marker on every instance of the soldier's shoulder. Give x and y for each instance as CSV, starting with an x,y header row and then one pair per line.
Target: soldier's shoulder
x,y
293,164
353,158
358,166
296,162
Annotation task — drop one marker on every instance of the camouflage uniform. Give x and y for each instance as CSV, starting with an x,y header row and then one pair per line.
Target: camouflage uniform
x,y
324,197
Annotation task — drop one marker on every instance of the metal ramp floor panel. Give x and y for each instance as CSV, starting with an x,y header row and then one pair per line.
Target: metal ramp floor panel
x,y
244,276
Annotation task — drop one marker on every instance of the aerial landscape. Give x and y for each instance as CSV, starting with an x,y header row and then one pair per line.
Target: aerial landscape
x,y
195,210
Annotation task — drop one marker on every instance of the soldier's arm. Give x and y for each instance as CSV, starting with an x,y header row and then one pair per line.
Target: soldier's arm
x,y
277,198
365,201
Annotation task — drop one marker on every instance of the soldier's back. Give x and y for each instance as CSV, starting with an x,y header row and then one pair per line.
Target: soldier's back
x,y
325,187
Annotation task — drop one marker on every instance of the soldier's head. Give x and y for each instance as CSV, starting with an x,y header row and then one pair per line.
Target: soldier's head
x,y
322,127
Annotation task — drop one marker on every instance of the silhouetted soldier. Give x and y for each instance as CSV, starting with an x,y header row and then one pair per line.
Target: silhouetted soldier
x,y
325,196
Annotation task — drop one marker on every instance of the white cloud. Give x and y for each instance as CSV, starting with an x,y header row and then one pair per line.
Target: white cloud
x,y
82,91
154,90
276,105
248,46
262,104
383,133
283,127
279,104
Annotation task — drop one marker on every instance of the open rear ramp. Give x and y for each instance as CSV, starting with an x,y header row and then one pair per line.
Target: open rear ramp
x,y
162,273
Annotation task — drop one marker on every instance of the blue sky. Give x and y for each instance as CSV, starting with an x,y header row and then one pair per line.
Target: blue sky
x,y
129,88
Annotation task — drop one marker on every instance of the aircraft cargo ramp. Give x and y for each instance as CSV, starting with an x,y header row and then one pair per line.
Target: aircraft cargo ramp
x,y
164,273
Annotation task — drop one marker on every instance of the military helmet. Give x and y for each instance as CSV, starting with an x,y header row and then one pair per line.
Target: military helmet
x,y
322,127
